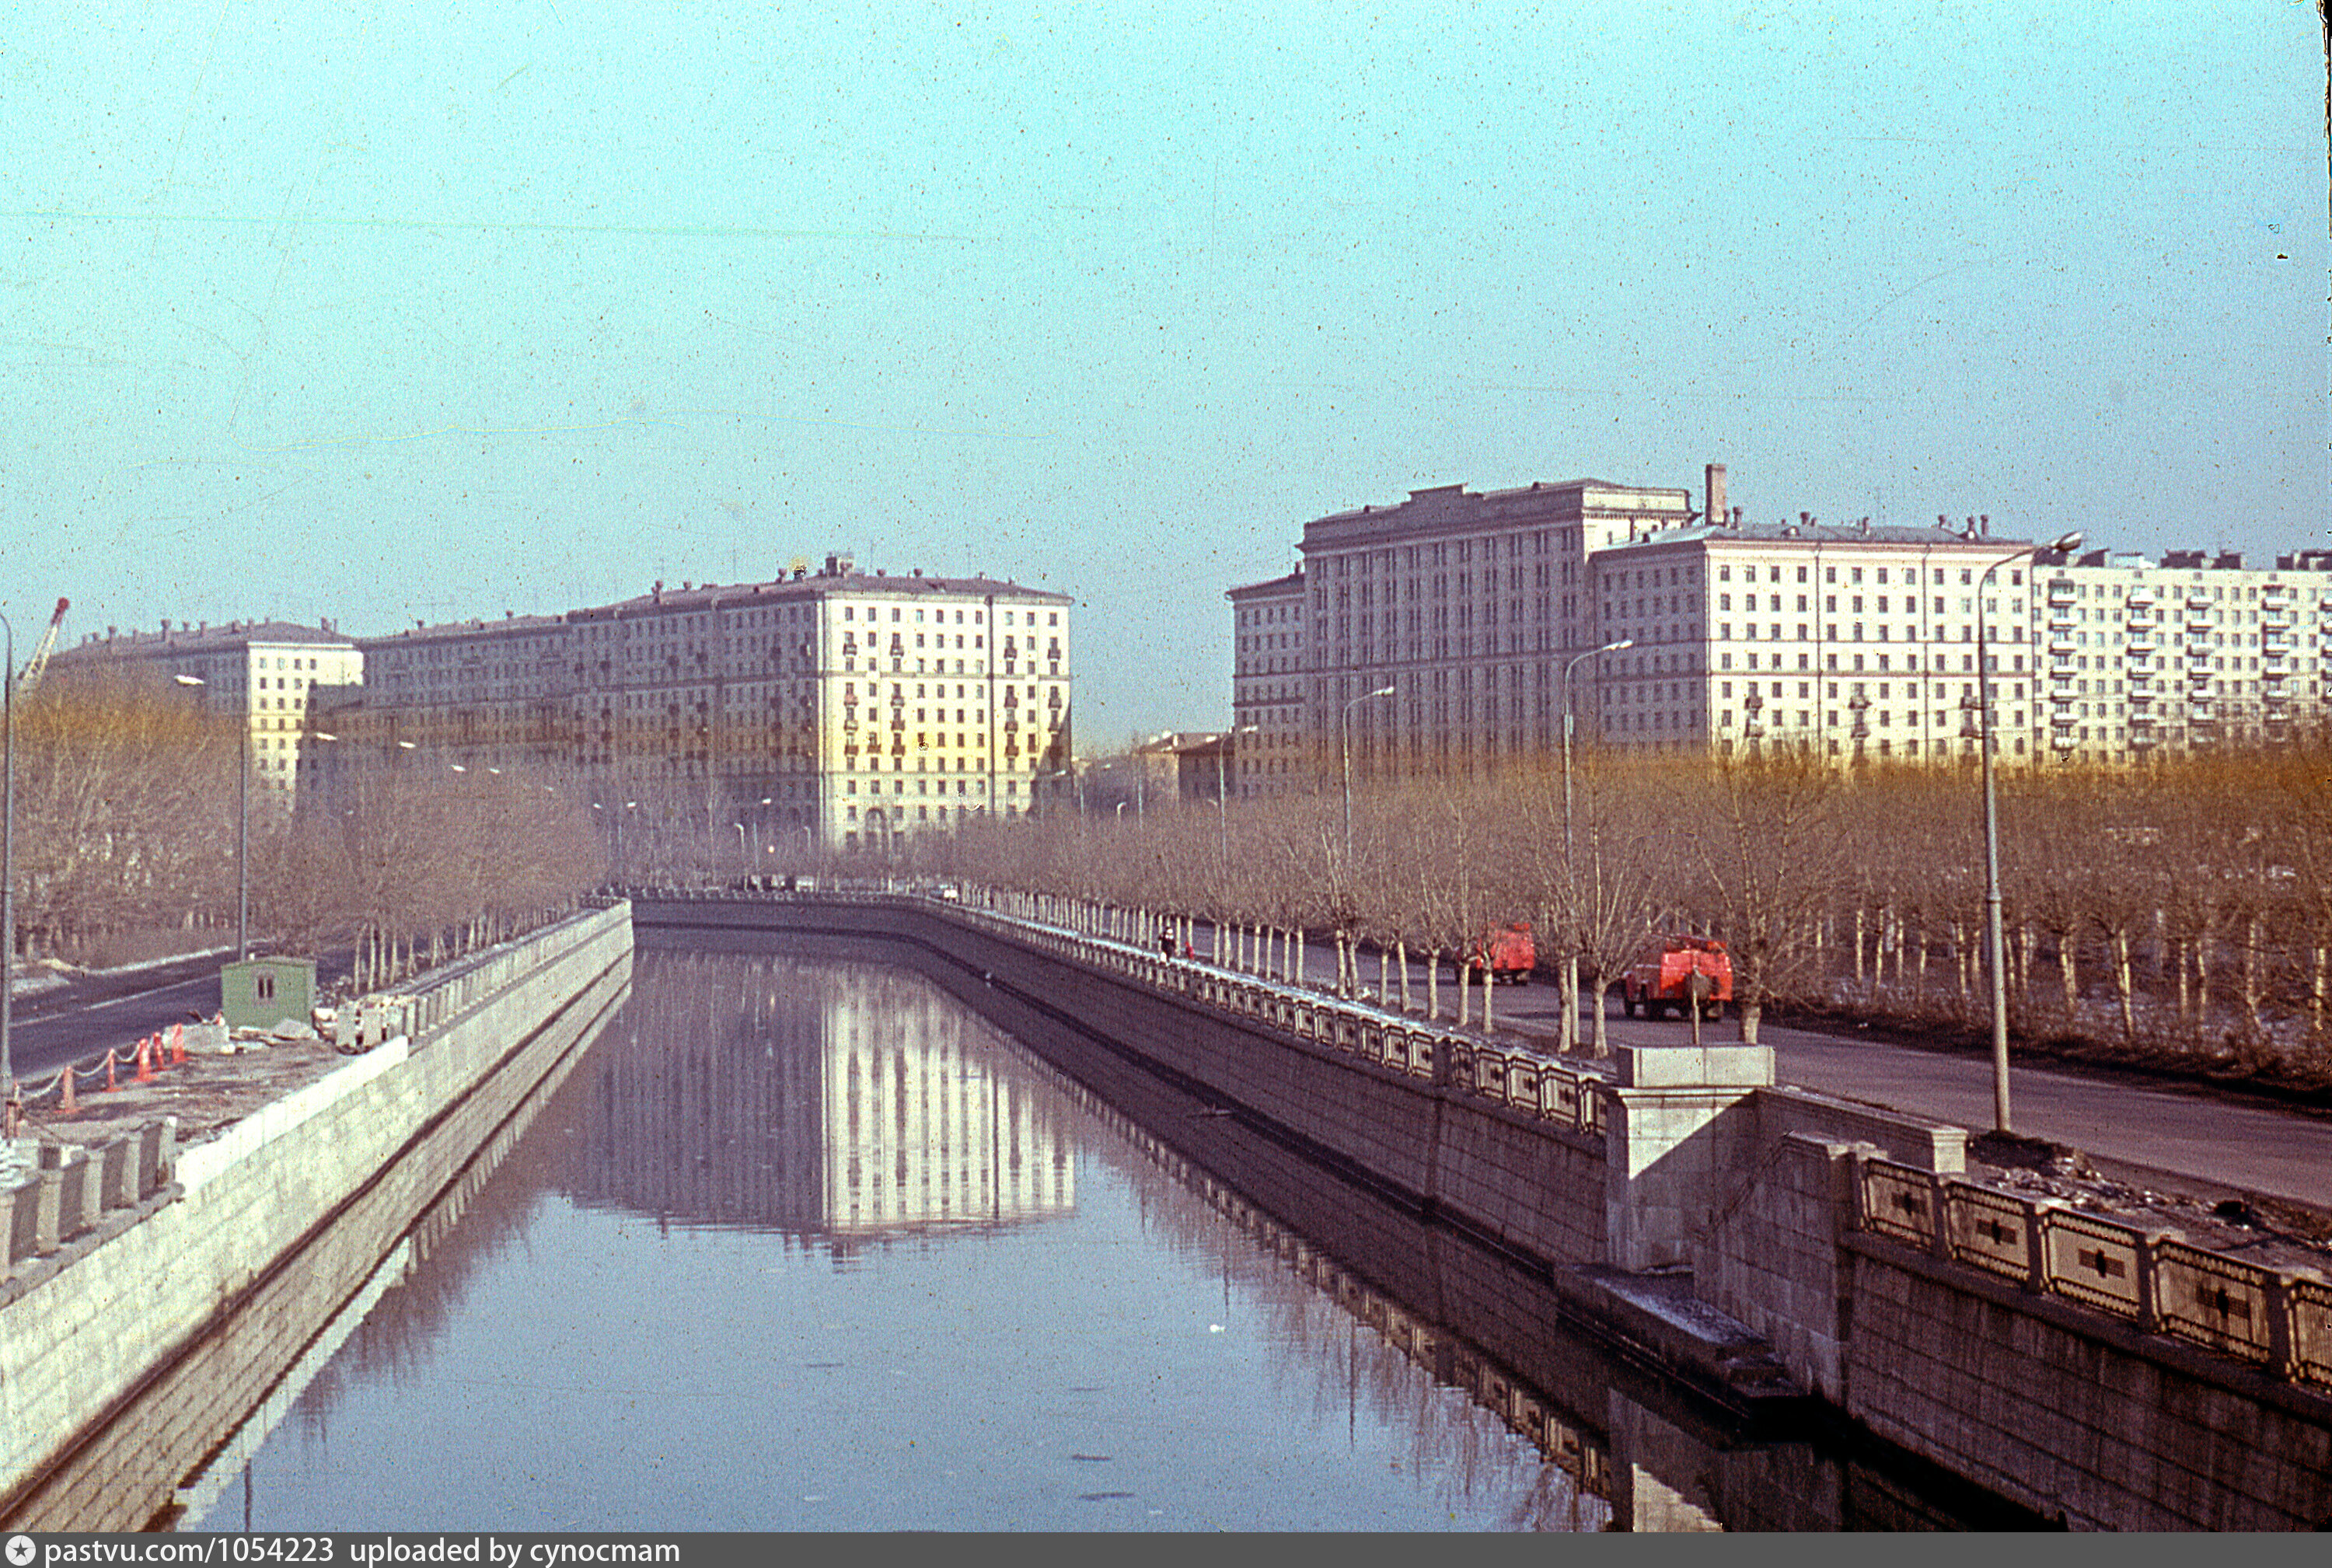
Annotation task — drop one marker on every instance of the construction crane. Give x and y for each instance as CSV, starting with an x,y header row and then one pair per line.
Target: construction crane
x,y
40,659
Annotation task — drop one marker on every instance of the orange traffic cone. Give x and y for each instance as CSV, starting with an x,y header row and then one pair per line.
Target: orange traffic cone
x,y
108,1069
65,1099
145,1061
177,1045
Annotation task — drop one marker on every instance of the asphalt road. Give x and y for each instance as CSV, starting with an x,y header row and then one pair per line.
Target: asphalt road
x,y
79,1022
2216,1144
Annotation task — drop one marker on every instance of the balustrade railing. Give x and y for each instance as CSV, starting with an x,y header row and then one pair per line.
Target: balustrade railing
x,y
2277,1320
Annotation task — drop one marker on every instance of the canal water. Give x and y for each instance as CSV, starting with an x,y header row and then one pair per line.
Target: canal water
x,y
805,1243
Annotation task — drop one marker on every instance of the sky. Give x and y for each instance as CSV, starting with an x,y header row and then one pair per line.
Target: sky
x,y
391,313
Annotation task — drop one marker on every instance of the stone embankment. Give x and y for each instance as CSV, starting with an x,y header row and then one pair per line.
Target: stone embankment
x,y
2102,1373
124,1254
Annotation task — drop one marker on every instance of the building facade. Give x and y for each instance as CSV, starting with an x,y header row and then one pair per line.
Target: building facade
x,y
1482,612
836,709
1469,606
263,673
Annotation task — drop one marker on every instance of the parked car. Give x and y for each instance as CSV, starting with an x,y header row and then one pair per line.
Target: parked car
x,y
1658,979
1505,953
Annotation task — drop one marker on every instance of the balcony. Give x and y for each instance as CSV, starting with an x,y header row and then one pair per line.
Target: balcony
x,y
2140,741
2139,696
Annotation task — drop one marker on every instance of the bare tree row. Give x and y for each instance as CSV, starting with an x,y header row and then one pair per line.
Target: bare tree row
x,y
128,818
2186,907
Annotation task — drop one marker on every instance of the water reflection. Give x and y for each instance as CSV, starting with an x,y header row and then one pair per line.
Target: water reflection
x,y
839,1103
805,1243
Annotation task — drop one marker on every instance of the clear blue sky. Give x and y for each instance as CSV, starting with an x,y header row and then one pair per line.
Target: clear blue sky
x,y
417,316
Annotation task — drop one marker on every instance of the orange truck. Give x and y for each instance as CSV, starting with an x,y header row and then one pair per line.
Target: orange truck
x,y
1504,953
1660,980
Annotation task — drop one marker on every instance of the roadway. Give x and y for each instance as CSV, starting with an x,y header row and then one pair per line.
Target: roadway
x,y
2216,1143
78,1020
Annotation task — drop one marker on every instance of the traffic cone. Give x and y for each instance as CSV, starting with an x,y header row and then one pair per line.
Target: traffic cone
x,y
145,1061
108,1069
177,1045
65,1099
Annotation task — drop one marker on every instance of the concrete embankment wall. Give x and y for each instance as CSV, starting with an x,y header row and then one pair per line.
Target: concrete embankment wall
x,y
2090,1371
90,1335
1532,1185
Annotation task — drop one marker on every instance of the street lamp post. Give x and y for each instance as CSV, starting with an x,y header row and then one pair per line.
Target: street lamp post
x,y
243,824
1568,1035
8,885
2066,544
1345,725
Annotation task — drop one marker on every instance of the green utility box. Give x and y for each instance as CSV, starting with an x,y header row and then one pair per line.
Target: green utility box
x,y
260,993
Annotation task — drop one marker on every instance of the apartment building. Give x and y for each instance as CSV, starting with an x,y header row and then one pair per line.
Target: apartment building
x,y
1857,641
1468,605
1861,642
837,708
260,672
2144,658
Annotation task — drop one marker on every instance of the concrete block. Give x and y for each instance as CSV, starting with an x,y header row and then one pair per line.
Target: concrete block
x,y
1735,1066
21,1201
117,1173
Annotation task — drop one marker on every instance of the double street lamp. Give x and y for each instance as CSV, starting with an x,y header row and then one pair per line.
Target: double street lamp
x,y
2063,545
1568,1035
1346,726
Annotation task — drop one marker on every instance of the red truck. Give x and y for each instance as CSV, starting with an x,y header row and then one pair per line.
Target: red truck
x,y
1656,982
1505,953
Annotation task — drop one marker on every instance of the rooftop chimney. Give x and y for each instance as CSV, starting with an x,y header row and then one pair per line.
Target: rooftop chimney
x,y
1712,489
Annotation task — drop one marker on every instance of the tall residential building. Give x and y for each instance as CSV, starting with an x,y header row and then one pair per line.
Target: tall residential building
x,y
1860,642
260,671
837,708
1470,606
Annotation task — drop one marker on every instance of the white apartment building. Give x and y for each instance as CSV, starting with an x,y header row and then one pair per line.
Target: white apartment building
x,y
262,670
1860,642
1468,605
837,708
2147,659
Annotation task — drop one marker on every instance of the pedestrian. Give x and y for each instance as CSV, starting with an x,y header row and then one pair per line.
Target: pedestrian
x,y
1166,943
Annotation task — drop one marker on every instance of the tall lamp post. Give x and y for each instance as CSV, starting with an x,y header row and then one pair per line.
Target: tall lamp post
x,y
1345,725
2063,545
1568,1035
8,886
242,828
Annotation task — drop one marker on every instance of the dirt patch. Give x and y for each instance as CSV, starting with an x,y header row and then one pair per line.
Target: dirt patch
x,y
207,1092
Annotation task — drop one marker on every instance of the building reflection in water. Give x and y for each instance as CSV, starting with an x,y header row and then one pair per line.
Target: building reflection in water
x,y
1237,1338
838,1102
